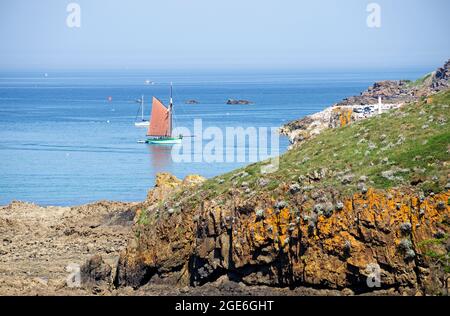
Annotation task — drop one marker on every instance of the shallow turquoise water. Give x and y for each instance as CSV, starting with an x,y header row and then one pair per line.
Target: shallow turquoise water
x,y
63,143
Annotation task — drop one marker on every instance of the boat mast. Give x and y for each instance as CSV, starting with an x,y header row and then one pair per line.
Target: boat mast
x,y
142,108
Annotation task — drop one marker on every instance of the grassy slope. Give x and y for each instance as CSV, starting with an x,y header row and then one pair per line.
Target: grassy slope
x,y
420,81
413,141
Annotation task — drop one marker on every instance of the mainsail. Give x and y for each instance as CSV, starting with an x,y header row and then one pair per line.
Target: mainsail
x,y
159,120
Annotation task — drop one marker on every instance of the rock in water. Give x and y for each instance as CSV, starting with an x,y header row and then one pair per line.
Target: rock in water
x,y
235,102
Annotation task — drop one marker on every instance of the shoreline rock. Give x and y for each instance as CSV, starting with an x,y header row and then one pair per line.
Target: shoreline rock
x,y
392,94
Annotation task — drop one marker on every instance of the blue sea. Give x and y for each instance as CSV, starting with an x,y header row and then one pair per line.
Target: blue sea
x,y
68,137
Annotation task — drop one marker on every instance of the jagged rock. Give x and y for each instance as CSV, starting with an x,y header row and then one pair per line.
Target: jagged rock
x,y
328,210
347,179
362,187
439,234
260,214
286,247
440,206
262,182
95,271
405,244
317,175
363,179
193,179
390,91
280,205
410,254
388,174
166,183
294,188
406,228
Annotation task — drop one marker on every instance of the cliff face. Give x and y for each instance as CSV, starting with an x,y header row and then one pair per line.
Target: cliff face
x,y
363,198
392,93
262,241
310,126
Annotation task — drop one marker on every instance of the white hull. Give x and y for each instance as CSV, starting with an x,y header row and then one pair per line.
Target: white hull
x,y
142,124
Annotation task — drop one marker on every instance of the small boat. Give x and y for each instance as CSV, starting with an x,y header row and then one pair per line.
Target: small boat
x,y
161,124
143,122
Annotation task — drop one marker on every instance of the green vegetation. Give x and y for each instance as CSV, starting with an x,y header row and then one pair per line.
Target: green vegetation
x,y
143,218
437,251
442,259
412,141
404,147
420,81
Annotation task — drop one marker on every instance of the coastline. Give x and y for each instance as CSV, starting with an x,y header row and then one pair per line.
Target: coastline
x,y
379,98
39,243
40,246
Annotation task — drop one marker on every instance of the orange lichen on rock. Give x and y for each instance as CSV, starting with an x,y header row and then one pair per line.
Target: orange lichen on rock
x,y
344,114
261,242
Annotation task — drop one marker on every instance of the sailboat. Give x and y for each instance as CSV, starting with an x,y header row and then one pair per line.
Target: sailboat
x,y
143,122
161,123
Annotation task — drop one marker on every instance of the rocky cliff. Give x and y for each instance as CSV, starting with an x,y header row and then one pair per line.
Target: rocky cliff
x,y
392,94
365,197
402,91
306,242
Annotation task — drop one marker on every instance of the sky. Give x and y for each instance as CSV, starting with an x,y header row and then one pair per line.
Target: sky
x,y
223,34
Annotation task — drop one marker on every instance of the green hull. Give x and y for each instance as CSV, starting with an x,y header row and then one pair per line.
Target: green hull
x,y
164,140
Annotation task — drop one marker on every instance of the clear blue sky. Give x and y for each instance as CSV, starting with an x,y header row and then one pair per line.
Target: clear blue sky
x,y
216,34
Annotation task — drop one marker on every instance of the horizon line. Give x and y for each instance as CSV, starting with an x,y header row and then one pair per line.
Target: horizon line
x,y
224,69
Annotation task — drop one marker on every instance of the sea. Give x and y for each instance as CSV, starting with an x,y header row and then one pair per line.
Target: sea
x,y
68,137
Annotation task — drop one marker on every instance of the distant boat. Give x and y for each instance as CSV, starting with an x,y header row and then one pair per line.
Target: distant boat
x,y
143,122
161,124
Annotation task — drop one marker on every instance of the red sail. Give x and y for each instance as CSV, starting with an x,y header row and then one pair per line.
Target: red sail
x,y
159,120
